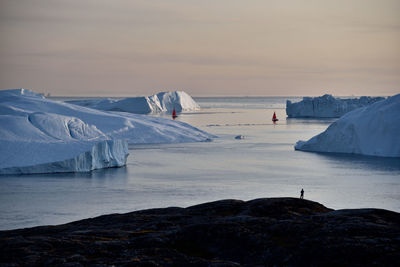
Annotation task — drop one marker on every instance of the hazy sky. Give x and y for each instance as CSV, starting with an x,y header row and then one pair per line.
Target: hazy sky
x,y
204,47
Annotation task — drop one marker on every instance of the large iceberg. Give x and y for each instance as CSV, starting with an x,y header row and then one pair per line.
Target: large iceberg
x,y
326,106
373,130
161,102
39,135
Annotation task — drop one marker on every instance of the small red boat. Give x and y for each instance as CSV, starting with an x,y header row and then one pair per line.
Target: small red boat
x,y
174,116
274,118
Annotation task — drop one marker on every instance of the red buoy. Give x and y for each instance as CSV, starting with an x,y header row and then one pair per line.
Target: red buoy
x,y
174,114
274,119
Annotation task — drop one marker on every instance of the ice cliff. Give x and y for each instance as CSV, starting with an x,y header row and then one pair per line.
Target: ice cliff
x,y
39,135
161,102
326,106
373,130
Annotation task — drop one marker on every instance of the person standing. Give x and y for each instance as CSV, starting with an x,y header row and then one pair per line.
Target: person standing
x,y
302,194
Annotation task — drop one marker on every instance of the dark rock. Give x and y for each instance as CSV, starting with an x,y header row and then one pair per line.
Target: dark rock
x,y
260,232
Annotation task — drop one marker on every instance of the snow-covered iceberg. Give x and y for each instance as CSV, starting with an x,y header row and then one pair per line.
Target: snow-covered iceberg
x,y
326,106
161,102
373,130
39,135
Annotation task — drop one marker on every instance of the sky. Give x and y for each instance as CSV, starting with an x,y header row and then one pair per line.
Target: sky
x,y
203,47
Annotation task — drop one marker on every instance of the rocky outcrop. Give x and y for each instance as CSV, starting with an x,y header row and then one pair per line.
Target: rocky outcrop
x,y
261,232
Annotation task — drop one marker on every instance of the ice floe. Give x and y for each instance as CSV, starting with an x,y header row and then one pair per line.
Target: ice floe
x,y
326,106
40,135
372,130
161,102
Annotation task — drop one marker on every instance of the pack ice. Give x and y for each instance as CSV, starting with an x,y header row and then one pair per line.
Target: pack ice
x,y
161,102
39,135
373,130
326,106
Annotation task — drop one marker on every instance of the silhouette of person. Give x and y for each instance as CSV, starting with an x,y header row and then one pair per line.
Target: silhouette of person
x,y
302,193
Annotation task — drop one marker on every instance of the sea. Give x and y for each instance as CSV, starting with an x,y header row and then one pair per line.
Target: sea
x,y
263,164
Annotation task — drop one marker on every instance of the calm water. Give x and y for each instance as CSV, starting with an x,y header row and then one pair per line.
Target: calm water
x,y
264,164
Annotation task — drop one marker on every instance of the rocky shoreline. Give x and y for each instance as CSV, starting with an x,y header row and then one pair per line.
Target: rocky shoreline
x,y
260,232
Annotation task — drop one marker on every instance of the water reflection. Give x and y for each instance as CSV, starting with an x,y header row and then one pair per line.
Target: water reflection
x,y
302,121
101,173
360,161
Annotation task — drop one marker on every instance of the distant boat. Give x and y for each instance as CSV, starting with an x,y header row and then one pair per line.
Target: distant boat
x,y
274,119
174,116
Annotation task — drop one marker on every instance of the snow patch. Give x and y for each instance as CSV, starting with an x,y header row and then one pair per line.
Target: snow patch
x,y
63,127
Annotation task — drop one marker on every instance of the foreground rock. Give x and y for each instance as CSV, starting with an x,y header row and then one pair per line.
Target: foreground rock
x,y
263,232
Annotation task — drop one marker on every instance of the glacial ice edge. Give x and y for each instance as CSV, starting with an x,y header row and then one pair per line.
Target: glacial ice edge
x,y
103,154
373,130
327,106
40,135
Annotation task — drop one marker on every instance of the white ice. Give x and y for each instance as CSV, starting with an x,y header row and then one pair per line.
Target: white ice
x,y
372,130
39,135
326,106
161,102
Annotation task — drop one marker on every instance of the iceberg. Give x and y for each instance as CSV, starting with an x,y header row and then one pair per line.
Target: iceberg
x,y
161,102
326,106
40,135
29,157
373,130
